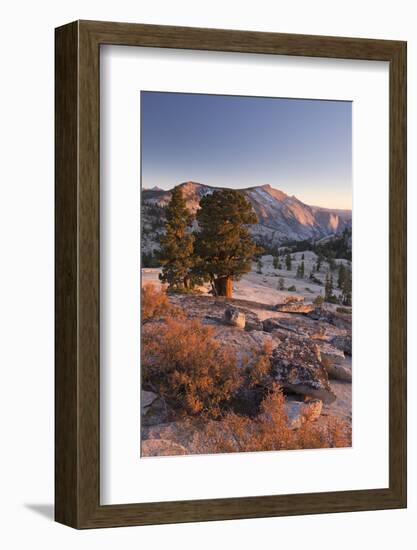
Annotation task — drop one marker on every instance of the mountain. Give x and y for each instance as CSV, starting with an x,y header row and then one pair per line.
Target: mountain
x,y
281,217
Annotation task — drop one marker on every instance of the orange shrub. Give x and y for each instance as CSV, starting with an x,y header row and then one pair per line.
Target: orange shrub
x,y
187,366
269,431
258,367
155,304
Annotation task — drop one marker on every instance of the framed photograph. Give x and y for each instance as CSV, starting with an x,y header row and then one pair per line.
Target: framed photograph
x,y
230,274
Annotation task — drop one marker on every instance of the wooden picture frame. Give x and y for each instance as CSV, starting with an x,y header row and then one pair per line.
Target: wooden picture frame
x,y
77,374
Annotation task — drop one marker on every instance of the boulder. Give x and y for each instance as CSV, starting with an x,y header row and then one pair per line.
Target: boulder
x,y
162,447
297,307
330,355
299,412
154,409
234,317
297,368
343,343
147,398
338,372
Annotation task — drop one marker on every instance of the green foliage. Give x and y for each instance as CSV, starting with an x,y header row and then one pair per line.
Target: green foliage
x,y
346,286
338,246
314,279
150,259
177,244
275,262
328,289
318,300
223,245
343,310
300,271
292,288
259,266
331,262
288,262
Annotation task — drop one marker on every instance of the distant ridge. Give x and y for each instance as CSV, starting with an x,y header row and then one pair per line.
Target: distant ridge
x,y
281,217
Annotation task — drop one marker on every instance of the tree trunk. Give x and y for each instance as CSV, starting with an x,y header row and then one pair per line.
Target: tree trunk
x,y
224,286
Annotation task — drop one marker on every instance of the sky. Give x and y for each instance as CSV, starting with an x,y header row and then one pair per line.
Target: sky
x,y
302,147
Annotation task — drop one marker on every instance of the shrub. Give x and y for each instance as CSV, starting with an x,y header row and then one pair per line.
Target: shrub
x,y
155,304
292,288
258,365
343,310
330,432
236,433
187,366
269,431
318,300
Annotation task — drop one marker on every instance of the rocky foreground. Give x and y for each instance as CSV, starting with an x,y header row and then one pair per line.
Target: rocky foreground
x,y
310,353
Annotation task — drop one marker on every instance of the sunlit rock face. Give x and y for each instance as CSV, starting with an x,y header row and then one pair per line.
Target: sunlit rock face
x,y
281,217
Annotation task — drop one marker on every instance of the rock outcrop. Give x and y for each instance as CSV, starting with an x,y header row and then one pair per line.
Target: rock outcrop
x,y
344,343
338,372
297,368
212,310
293,299
330,355
246,345
340,320
295,307
154,409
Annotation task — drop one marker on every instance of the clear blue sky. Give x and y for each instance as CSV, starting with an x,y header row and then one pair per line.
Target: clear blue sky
x,y
303,147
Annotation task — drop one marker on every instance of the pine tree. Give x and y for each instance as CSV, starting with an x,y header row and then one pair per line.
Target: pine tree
x,y
302,268
288,262
332,263
223,245
275,262
176,254
328,287
341,276
347,288
259,267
